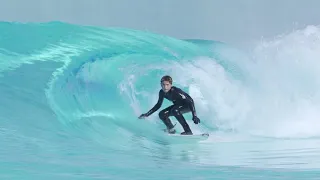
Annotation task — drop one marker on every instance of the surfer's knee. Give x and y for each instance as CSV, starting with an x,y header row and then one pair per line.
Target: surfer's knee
x,y
175,111
163,115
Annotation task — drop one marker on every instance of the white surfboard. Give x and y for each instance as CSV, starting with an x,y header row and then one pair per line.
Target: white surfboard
x,y
201,136
195,138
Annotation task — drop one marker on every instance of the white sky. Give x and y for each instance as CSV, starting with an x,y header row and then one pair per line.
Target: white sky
x,y
231,21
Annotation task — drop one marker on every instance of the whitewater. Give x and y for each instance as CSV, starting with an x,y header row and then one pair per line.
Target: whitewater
x,y
71,95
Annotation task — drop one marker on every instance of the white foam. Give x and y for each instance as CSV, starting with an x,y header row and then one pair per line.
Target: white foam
x,y
278,95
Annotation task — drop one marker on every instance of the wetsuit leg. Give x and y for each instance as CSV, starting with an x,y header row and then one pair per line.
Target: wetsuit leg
x,y
177,111
164,116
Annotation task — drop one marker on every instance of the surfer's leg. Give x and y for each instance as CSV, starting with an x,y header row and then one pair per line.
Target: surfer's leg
x,y
164,116
178,111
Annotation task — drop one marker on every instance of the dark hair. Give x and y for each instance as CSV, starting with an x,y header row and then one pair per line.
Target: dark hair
x,y
166,78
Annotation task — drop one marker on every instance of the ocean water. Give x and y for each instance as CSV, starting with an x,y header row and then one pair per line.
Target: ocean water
x,y
71,95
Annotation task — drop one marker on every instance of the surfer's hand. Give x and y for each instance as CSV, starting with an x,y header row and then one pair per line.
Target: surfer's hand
x,y
142,116
196,120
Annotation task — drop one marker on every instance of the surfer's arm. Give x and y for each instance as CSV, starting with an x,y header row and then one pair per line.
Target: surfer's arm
x,y
158,105
188,99
192,106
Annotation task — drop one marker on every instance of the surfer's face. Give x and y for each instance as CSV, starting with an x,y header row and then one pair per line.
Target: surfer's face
x,y
166,86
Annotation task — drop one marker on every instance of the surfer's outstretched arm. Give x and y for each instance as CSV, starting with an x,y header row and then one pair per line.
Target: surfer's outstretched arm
x,y
156,106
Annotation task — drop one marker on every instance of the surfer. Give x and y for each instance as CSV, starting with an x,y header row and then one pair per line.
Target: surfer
x,y
182,103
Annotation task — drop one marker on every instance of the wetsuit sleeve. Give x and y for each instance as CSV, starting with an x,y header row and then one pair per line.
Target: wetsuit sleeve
x,y
158,105
189,101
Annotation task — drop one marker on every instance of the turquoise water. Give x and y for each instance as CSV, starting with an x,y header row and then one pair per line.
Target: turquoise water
x,y
70,97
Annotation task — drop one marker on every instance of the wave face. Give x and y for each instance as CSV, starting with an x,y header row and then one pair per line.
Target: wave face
x,y
70,97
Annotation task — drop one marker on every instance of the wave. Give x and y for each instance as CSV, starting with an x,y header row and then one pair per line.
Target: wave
x,y
83,87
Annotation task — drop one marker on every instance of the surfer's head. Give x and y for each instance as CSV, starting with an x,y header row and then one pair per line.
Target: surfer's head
x,y
166,83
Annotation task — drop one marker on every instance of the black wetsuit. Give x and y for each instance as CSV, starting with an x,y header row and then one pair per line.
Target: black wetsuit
x,y
182,103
